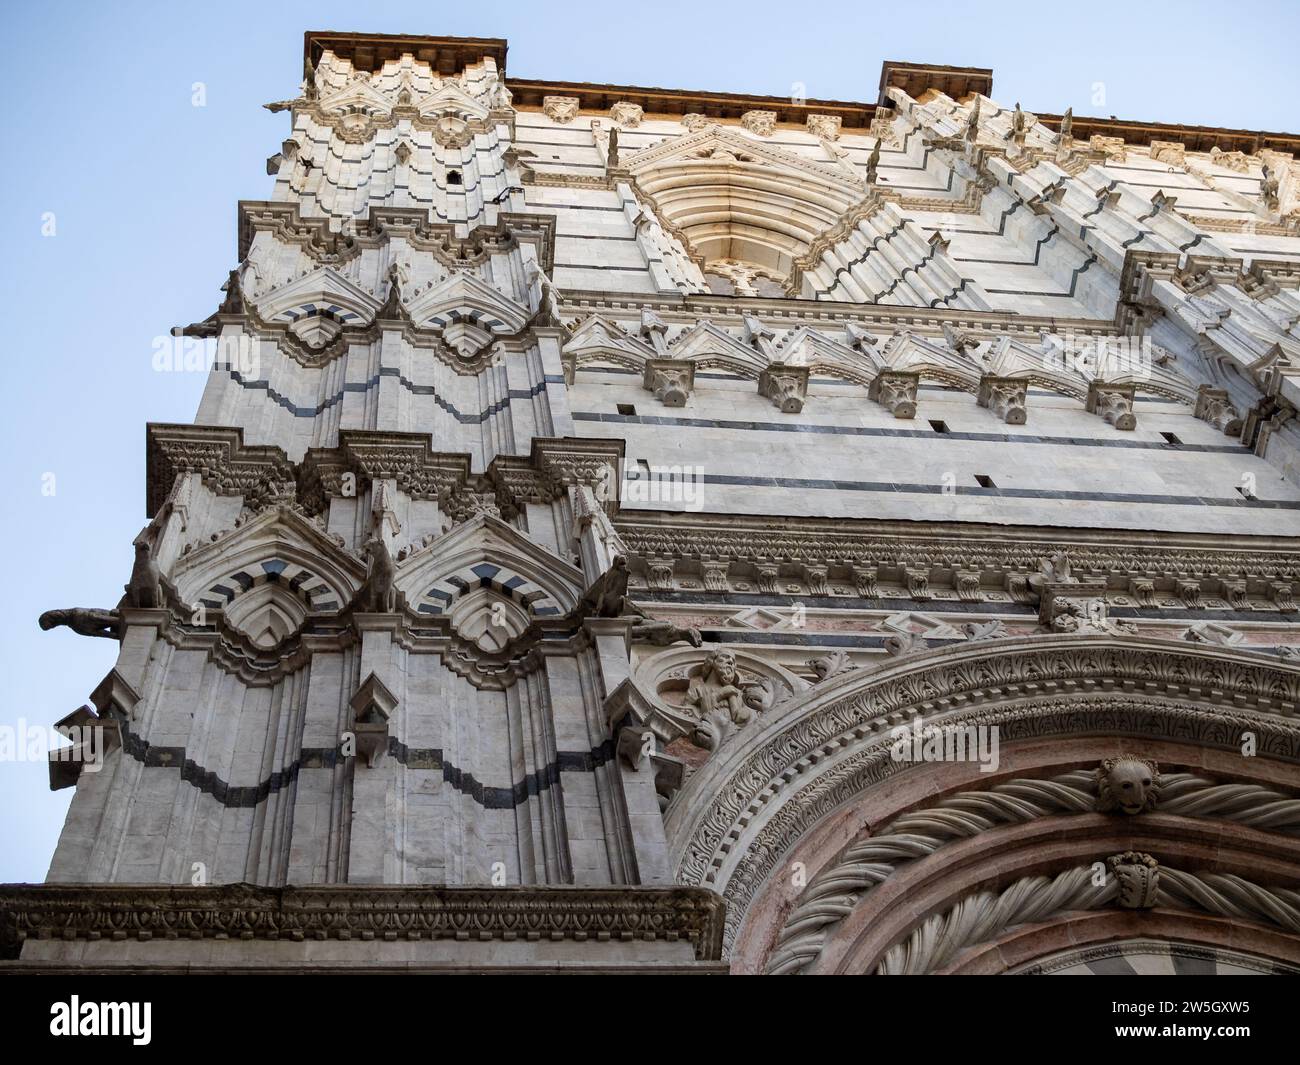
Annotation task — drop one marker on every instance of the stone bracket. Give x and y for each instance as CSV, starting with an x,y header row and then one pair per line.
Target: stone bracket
x,y
786,386
1004,396
671,380
1114,403
896,392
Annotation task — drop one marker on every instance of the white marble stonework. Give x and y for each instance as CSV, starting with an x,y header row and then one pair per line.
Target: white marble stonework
x,y
603,484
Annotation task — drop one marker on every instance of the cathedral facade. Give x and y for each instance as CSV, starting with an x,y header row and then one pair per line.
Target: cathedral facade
x,y
638,529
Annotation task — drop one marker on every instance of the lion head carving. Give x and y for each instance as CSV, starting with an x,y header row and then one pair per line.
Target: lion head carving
x,y
1127,784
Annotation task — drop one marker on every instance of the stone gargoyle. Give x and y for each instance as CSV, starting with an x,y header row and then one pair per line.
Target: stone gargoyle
x,y
144,591
607,598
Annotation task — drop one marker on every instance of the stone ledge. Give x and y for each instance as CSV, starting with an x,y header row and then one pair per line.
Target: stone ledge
x,y
343,912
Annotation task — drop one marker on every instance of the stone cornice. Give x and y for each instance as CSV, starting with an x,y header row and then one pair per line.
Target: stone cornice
x,y
263,474
1117,555
359,912
915,78
407,458
260,473
370,51
688,310
529,94
450,55
285,219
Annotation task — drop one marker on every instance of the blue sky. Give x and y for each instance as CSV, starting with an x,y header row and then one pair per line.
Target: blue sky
x,y
101,133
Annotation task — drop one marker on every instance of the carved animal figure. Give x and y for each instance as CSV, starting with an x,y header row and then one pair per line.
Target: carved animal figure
x,y
1127,784
84,621
144,589
378,595
607,597
663,633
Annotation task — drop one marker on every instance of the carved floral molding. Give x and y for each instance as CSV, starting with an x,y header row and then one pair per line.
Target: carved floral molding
x,y
363,912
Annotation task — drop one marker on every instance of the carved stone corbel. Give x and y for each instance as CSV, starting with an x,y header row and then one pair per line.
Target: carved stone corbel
x,y
918,583
864,582
1214,407
114,697
1280,593
896,392
635,744
786,386
561,109
1189,591
1143,589
967,583
1004,396
815,577
1236,593
628,709
1114,403
671,380
670,773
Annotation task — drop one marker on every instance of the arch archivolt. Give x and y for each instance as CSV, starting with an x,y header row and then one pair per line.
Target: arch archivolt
x,y
940,912
785,802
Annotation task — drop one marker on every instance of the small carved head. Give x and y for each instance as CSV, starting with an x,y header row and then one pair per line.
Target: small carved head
x,y
723,666
1127,784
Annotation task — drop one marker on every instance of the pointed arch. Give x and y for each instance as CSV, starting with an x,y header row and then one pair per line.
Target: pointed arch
x,y
486,553
732,197
278,548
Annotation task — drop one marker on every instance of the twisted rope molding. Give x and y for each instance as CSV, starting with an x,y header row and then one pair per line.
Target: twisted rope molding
x,y
864,864
961,679
983,916
836,748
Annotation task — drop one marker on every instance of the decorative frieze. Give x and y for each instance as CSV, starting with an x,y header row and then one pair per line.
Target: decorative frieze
x,y
359,913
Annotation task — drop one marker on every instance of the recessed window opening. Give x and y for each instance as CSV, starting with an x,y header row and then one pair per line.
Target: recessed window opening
x,y
939,427
984,480
627,408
